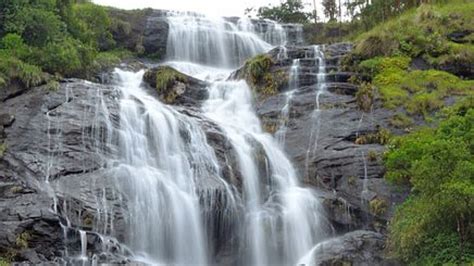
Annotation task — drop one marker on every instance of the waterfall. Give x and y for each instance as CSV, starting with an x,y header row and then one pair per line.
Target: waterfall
x,y
163,198
285,111
221,42
315,116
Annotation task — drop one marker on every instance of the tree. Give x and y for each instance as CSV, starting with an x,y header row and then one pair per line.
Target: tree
x,y
330,9
291,11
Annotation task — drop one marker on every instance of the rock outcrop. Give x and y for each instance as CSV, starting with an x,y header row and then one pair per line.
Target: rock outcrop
x,y
326,144
173,87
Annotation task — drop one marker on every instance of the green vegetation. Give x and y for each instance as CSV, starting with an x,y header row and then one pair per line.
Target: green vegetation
x,y
419,92
401,121
257,72
365,96
290,11
378,206
4,262
372,156
424,33
59,37
22,240
435,226
164,78
382,136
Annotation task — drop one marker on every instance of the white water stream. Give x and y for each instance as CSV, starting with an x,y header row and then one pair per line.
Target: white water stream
x,y
164,168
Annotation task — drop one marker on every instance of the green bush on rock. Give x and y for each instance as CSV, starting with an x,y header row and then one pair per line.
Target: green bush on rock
x,y
163,79
259,75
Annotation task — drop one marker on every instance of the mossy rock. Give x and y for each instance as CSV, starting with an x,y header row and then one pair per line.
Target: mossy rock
x,y
260,74
174,87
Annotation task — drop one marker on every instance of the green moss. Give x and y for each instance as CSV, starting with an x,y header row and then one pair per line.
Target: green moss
x,y
22,240
53,85
401,121
257,72
166,77
378,207
419,92
352,180
4,262
372,156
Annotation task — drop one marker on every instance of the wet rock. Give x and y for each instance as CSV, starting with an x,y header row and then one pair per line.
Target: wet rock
x,y
154,42
354,248
323,144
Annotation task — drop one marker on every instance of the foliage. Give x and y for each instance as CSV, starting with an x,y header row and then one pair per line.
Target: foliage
x,y
12,69
421,33
330,9
381,136
257,72
92,26
166,77
4,262
290,11
378,206
59,37
37,26
401,121
365,97
435,225
419,92
22,240
372,156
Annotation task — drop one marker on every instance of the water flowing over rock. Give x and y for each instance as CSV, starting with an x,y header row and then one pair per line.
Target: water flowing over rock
x,y
116,173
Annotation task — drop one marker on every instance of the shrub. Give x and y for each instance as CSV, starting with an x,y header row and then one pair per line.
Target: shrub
x,y
67,57
22,240
257,72
15,69
37,26
92,26
382,136
13,45
378,206
401,121
365,97
435,225
372,156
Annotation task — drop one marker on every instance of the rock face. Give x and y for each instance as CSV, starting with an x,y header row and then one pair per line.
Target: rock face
x,y
323,143
53,173
354,248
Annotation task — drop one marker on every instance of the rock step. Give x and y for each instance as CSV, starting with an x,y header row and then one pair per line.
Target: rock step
x,y
306,79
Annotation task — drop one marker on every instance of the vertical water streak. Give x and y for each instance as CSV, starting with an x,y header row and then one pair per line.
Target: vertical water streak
x,y
285,112
316,114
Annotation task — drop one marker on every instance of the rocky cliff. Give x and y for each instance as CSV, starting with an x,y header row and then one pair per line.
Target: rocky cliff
x,y
52,138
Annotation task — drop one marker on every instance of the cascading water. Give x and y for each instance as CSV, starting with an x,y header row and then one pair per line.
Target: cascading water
x,y
164,170
218,41
315,117
285,112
